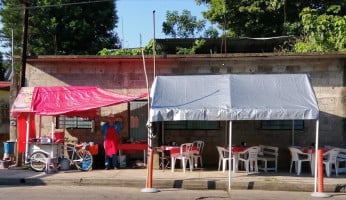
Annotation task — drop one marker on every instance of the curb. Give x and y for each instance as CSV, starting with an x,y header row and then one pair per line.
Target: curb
x,y
181,184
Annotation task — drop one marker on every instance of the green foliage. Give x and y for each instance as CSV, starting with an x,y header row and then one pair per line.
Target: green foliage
x,y
192,50
63,27
182,26
119,52
148,50
12,20
322,33
211,33
263,18
256,18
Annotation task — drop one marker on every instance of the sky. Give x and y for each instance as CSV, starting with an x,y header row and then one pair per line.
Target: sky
x,y
136,18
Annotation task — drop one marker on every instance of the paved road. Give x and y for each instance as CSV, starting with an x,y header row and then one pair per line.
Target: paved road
x,y
122,193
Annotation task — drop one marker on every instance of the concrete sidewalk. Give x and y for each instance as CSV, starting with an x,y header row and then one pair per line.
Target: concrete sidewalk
x,y
199,179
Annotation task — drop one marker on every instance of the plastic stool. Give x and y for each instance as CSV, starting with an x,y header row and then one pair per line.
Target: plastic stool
x,y
51,165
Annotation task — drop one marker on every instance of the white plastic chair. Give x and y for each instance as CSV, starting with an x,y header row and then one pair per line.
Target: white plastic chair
x,y
268,154
184,156
298,157
341,159
330,159
223,158
250,158
198,155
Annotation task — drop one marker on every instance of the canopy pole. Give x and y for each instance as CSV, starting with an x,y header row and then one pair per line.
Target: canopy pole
x,y
154,50
163,133
149,178
316,193
27,138
51,137
226,132
40,125
230,155
316,149
292,132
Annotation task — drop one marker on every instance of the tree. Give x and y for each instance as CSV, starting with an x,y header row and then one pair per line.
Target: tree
x,y
263,18
197,44
211,32
147,50
182,26
325,32
63,27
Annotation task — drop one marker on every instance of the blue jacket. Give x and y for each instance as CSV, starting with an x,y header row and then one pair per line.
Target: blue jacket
x,y
117,126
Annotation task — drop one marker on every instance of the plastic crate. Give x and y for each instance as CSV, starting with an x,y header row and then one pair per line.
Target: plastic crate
x,y
94,149
59,137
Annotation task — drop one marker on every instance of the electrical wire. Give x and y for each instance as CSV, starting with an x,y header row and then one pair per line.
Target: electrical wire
x,y
59,5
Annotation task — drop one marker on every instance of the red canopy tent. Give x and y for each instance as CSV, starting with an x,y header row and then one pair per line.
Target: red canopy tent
x,y
66,100
81,101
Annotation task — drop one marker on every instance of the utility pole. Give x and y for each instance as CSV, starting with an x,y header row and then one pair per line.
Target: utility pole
x,y
24,41
19,81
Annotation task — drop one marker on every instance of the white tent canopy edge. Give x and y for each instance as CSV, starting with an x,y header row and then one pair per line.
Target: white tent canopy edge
x,y
232,97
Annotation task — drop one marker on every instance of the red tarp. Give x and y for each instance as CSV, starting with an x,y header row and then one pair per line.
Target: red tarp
x,y
80,101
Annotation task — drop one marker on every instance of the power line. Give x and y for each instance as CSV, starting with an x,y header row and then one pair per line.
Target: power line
x,y
60,5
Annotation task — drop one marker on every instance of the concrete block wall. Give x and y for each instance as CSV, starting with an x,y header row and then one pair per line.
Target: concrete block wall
x,y
126,76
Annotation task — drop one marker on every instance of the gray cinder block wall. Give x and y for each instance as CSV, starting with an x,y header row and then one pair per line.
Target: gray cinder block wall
x,y
125,75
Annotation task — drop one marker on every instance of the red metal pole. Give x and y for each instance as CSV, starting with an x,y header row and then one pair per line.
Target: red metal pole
x,y
320,171
150,169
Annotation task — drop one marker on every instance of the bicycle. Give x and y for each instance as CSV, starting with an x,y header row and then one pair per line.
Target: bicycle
x,y
78,155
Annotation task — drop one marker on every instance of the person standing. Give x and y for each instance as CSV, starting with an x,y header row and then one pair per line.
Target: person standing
x,y
111,130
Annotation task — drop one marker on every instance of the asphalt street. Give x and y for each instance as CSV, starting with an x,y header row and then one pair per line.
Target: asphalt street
x,y
165,179
128,193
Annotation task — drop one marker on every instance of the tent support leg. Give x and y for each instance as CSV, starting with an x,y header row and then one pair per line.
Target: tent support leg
x,y
292,132
27,139
316,193
230,155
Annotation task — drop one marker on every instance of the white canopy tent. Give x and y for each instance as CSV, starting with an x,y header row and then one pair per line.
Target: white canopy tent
x,y
232,97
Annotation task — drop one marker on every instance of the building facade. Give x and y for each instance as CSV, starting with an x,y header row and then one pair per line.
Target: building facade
x,y
127,75
4,113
